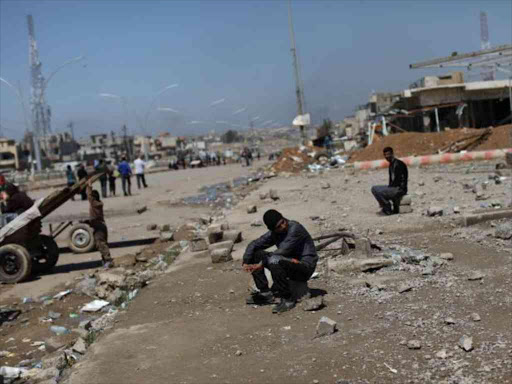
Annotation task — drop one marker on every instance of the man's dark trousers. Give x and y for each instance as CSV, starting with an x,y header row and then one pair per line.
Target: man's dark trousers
x,y
103,183
141,178
385,195
281,272
125,179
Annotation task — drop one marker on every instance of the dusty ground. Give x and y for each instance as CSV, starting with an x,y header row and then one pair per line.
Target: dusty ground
x,y
192,326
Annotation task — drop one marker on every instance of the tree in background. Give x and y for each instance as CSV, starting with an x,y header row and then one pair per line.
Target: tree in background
x,y
231,136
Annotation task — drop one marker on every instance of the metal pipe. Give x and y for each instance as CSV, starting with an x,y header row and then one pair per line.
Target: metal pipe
x,y
437,121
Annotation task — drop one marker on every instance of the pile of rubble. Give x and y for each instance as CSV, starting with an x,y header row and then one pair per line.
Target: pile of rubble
x,y
453,140
207,237
304,158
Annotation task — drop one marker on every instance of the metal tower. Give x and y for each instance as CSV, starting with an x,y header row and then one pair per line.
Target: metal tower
x,y
40,111
489,73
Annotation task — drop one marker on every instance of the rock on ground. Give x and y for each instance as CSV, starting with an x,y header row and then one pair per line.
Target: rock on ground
x,y
326,327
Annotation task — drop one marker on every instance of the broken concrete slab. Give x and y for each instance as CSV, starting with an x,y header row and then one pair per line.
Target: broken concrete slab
x,y
198,244
233,235
221,255
362,265
80,346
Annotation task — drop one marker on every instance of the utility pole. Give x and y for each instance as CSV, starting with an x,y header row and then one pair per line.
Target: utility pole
x,y
299,92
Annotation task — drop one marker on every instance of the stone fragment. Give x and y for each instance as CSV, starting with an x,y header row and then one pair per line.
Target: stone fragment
x,y
466,343
263,195
125,261
198,244
456,209
58,361
38,375
104,322
221,255
413,344
442,354
165,228
257,223
475,316
475,275
115,297
449,320
86,287
252,209
85,324
406,287
201,254
224,226
166,236
435,211
234,235
184,233
405,209
54,315
215,237
325,185
111,278
446,256
141,259
363,248
205,219
313,304
151,227
215,228
325,327
504,231
273,194
81,332
80,346
53,343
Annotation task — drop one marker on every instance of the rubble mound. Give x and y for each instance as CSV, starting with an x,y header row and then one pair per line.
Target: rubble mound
x,y
294,160
453,140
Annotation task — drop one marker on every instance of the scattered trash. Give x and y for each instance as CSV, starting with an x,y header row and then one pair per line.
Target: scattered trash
x,y
393,370
58,330
62,294
94,306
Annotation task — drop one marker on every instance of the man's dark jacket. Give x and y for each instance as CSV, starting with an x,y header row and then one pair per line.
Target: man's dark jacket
x,y
296,243
18,203
400,177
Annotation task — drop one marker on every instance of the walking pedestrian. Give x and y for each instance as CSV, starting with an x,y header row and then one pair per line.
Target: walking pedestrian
x,y
126,174
97,222
71,178
82,174
140,166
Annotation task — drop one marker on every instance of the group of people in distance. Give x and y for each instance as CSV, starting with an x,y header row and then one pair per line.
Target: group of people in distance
x,y
109,175
296,257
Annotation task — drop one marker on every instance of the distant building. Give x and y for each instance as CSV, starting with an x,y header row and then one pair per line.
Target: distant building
x,y
9,154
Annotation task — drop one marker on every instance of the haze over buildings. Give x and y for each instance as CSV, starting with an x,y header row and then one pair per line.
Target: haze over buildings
x,y
237,52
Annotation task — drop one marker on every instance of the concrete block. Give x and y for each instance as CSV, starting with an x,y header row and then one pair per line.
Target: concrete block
x,y
406,200
221,255
198,244
224,226
223,244
233,235
215,228
215,237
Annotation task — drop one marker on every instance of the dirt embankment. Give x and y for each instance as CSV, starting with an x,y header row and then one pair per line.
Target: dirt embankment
x,y
418,144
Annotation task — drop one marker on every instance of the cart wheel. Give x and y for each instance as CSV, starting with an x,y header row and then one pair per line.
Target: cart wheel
x,y
81,238
50,255
15,263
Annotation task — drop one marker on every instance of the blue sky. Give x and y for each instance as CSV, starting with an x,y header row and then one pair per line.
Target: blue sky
x,y
234,50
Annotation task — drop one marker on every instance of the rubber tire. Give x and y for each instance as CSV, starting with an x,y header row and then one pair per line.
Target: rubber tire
x,y
52,255
24,260
82,249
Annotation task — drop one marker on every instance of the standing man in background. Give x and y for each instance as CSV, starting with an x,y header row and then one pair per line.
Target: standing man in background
x,y
126,173
140,166
71,179
103,169
82,174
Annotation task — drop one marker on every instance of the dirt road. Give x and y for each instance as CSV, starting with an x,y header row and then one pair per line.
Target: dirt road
x,y
192,326
126,232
